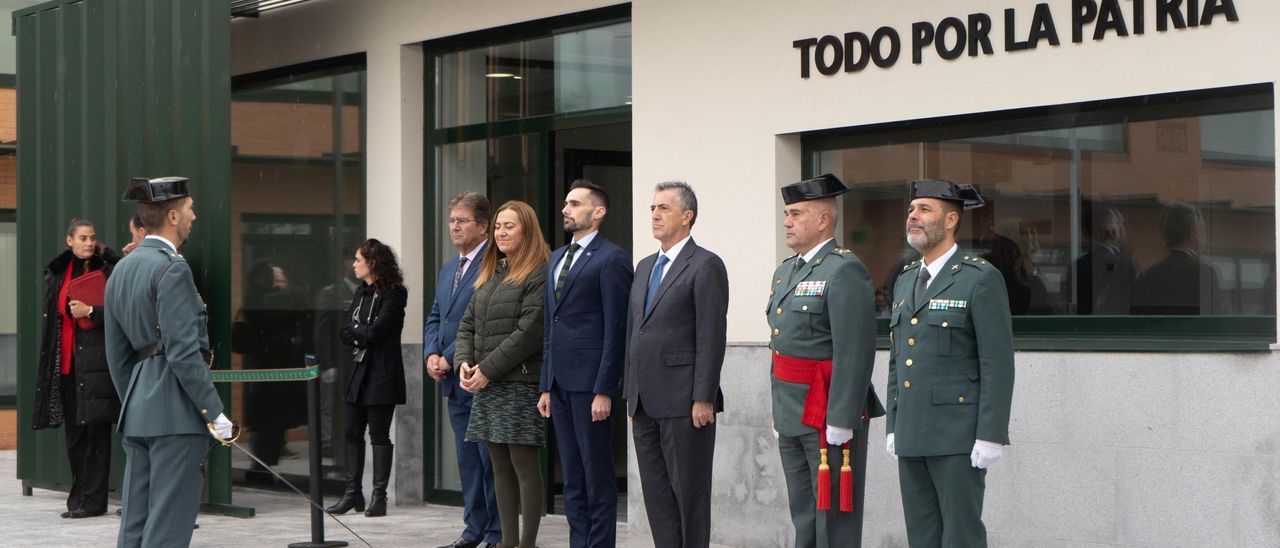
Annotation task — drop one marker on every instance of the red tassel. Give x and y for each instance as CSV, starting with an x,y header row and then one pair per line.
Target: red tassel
x,y
846,483
824,483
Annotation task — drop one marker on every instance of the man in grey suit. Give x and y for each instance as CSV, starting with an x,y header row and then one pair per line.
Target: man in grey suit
x,y
675,347
158,355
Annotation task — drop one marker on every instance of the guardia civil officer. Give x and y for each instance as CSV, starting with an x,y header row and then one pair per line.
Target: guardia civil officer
x,y
950,372
821,318
157,345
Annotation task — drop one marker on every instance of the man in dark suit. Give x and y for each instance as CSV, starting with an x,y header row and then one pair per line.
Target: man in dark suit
x,y
1182,283
675,348
468,226
583,350
157,343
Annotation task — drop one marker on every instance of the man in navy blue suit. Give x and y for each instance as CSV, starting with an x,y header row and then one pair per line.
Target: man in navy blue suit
x,y
584,339
468,228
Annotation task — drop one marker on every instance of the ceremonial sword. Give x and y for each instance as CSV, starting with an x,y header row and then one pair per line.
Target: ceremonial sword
x,y
231,442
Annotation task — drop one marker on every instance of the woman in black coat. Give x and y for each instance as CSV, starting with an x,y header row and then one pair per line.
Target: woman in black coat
x,y
73,385
373,325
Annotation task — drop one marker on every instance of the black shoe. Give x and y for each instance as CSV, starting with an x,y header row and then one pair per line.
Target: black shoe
x,y
66,514
462,542
80,514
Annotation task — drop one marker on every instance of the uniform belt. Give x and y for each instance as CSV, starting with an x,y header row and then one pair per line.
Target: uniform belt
x,y
816,374
153,349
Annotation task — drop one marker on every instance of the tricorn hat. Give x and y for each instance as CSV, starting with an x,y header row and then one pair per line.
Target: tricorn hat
x,y
822,186
150,191
966,195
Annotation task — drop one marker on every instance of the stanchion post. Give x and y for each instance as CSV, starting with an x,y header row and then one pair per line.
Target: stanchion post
x,y
314,458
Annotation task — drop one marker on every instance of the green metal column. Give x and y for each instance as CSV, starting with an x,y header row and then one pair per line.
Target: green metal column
x,y
108,90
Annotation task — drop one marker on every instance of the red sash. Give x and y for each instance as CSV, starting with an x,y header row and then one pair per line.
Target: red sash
x,y
816,374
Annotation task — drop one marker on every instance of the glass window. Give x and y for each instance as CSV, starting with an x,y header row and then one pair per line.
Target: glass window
x,y
297,215
8,307
1158,207
569,72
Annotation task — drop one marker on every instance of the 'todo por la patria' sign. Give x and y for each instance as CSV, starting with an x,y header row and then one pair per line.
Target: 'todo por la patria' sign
x,y
952,37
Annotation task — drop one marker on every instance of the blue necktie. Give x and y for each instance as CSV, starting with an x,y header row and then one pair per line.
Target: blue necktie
x,y
655,280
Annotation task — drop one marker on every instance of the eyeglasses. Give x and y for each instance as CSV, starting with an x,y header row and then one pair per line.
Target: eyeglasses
x,y
459,220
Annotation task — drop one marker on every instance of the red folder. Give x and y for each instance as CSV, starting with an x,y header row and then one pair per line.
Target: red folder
x,y
88,289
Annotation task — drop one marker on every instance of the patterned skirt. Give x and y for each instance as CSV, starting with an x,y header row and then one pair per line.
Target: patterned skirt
x,y
507,412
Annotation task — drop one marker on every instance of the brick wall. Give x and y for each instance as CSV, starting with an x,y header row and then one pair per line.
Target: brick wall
x,y
8,429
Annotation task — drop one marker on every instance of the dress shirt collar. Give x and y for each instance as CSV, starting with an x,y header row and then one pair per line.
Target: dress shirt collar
x,y
163,240
936,266
586,240
674,252
809,255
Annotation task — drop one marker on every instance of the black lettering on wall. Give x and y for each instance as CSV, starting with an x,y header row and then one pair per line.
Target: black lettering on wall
x,y
1042,27
1168,11
1110,18
1011,42
852,64
1083,12
921,36
877,47
1214,7
804,45
979,33
832,43
1193,12
1139,16
950,25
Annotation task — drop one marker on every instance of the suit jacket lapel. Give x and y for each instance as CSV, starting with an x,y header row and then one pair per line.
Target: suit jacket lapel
x,y
944,280
673,272
579,263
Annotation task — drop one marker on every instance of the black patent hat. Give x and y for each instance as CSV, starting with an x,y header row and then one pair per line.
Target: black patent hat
x,y
163,189
822,186
966,195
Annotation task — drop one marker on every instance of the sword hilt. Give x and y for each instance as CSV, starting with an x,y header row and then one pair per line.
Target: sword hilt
x,y
235,434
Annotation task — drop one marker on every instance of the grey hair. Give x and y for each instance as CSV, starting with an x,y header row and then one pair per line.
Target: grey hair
x,y
684,193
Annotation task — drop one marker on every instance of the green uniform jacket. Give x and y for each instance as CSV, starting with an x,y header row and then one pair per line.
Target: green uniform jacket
x,y
168,393
830,295
951,360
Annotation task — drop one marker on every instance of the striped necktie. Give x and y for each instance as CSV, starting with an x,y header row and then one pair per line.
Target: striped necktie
x,y
457,276
564,270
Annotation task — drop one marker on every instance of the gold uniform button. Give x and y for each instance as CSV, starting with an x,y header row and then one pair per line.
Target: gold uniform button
x,y
906,384
805,307
775,331
778,312
945,324
909,362
911,342
915,321
204,411
961,399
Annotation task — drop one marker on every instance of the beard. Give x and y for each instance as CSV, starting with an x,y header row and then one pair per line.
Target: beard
x,y
930,235
574,225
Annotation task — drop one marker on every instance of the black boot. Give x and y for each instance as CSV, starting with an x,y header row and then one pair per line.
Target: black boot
x,y
353,496
381,475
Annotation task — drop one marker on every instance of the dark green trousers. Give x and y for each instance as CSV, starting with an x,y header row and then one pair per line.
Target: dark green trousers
x,y
163,483
831,528
942,501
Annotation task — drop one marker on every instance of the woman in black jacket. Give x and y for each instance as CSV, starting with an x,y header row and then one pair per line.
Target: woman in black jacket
x,y
73,385
374,322
499,352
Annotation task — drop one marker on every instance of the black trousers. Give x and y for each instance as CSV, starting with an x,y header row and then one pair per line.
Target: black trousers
x,y
675,471
377,418
89,452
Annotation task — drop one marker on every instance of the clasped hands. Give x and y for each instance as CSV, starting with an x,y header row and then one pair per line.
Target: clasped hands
x,y
983,455
471,378
437,367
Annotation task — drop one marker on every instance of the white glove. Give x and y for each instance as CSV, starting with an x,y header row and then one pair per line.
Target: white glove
x,y
838,436
985,453
222,426
888,446
775,434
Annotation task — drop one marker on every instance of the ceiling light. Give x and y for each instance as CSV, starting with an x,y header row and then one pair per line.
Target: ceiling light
x,y
499,75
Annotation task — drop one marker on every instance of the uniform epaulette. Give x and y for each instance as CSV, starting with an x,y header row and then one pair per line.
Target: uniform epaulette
x,y
977,262
841,252
911,265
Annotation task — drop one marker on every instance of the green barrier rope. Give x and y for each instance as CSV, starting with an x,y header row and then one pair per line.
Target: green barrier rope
x,y
266,375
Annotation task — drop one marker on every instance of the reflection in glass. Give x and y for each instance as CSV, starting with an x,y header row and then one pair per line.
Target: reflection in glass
x,y
1164,216
297,210
568,72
